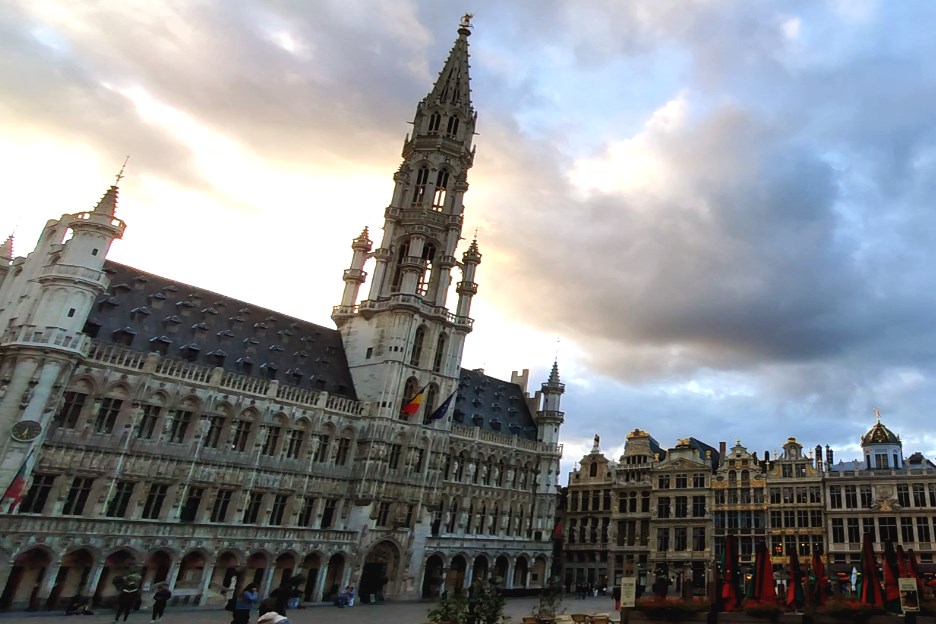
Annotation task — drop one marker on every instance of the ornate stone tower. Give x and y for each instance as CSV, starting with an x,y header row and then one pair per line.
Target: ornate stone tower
x,y
44,302
402,338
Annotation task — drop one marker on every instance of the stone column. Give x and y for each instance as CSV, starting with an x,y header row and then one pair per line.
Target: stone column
x,y
174,570
207,573
317,595
48,580
469,571
5,574
509,574
93,579
267,578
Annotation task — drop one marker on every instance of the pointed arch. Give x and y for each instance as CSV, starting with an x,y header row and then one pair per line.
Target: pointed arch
x,y
419,189
441,188
439,358
419,339
435,121
428,258
402,254
432,395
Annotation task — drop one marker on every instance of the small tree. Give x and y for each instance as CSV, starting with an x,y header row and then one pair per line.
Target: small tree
x,y
486,603
450,610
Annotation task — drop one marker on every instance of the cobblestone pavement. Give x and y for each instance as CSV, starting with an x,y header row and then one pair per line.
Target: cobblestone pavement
x,y
388,613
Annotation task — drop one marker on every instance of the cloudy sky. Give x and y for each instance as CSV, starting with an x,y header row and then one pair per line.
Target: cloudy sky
x,y
718,213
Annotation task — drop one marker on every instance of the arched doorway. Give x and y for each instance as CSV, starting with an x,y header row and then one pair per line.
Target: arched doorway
x,y
285,566
333,576
22,587
310,566
501,570
455,579
158,563
191,569
479,571
254,570
119,563
521,570
72,578
433,579
539,572
379,577
225,572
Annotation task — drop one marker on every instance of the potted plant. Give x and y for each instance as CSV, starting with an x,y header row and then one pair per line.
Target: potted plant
x,y
550,601
657,608
450,610
846,611
486,603
764,610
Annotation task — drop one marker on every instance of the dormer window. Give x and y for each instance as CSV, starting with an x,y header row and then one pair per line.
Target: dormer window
x,y
160,344
124,336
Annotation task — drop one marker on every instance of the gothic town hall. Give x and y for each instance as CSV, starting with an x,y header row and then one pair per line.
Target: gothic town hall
x,y
152,425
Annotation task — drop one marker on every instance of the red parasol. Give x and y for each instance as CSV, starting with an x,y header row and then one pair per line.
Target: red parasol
x,y
731,594
903,568
762,583
795,597
822,581
915,569
891,573
870,585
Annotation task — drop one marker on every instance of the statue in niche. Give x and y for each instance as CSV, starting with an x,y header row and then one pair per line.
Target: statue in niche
x,y
484,472
314,445
510,476
471,470
495,474
454,474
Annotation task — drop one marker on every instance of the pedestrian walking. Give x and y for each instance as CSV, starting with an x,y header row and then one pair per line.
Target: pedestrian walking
x,y
272,617
127,600
160,600
244,603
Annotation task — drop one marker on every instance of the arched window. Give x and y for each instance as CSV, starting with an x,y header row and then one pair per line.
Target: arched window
x,y
428,255
410,388
418,341
397,281
593,470
419,191
453,518
441,186
452,129
431,395
439,353
435,120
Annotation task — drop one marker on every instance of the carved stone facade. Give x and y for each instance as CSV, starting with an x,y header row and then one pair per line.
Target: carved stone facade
x,y
164,428
666,513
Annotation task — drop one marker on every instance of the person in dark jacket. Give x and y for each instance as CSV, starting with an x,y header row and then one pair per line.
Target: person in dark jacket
x,y
127,600
160,600
244,603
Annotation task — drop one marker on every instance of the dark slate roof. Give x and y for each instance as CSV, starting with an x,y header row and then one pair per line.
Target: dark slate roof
x,y
493,405
146,312
655,448
702,447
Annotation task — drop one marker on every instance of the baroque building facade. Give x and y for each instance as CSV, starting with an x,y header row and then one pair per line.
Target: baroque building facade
x,y
665,513
165,428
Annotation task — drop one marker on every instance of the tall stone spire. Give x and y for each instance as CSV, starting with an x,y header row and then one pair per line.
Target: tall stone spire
x,y
452,87
402,325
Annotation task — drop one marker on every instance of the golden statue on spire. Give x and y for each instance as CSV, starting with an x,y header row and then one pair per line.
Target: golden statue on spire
x,y
466,20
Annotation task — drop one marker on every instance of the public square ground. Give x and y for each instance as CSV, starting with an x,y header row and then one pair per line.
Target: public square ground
x,y
386,613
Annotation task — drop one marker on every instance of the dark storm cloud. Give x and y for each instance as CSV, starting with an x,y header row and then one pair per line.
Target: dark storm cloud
x,y
791,245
